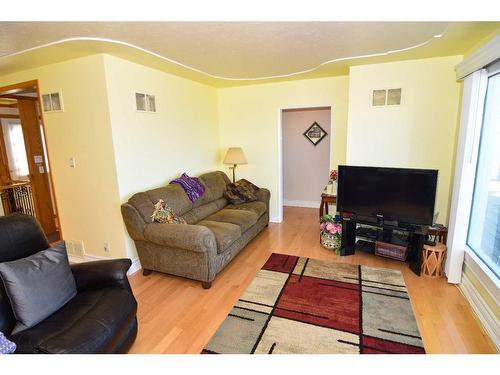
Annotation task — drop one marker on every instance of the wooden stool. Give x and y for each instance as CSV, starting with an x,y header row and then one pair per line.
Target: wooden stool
x,y
433,260
325,201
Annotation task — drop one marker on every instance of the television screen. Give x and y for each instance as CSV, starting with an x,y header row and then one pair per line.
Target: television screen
x,y
405,195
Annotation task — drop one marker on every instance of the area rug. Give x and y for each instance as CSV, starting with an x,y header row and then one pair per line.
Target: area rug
x,y
308,306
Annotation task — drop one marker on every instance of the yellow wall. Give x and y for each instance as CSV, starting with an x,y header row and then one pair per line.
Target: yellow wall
x,y
420,133
249,118
87,195
153,148
120,151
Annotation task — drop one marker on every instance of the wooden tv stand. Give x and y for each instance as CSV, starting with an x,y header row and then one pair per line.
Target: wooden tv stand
x,y
415,238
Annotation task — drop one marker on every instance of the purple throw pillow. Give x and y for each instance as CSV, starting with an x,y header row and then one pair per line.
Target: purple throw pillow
x,y
6,346
191,185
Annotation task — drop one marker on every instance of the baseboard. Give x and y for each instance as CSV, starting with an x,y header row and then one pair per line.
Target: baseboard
x,y
307,204
136,264
482,310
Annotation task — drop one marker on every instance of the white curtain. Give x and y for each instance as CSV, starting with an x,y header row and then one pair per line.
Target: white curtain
x,y
16,151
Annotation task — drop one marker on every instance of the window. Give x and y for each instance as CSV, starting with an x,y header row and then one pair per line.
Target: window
x,y
484,225
16,151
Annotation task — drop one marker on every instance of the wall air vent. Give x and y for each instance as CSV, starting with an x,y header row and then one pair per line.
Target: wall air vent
x,y
145,102
52,102
386,97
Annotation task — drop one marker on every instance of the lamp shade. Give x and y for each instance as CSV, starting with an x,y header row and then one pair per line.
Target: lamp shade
x,y
235,155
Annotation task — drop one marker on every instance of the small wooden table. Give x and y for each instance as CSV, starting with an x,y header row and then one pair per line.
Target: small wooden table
x,y
433,260
326,199
439,234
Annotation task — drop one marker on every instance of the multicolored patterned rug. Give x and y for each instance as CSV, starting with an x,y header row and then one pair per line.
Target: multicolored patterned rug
x,y
308,306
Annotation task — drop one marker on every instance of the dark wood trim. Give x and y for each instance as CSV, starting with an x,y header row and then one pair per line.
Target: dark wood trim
x,y
22,85
4,163
42,121
9,115
4,105
18,97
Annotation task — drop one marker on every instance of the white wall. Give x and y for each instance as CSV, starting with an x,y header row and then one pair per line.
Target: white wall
x,y
305,166
151,149
420,133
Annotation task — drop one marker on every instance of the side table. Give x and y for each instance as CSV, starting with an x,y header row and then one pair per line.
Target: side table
x,y
326,199
438,234
433,258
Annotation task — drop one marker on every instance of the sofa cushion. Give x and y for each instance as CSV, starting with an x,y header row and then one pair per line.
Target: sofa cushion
x,y
258,207
89,323
243,218
173,195
199,213
215,186
225,233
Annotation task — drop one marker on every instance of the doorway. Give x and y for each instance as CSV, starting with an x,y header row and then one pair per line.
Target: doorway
x,y
25,179
305,138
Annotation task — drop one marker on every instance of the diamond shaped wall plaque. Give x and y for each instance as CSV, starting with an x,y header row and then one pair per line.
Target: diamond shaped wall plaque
x,y
315,133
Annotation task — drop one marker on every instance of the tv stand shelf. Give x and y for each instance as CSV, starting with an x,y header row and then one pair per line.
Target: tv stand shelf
x,y
362,235
374,233
365,245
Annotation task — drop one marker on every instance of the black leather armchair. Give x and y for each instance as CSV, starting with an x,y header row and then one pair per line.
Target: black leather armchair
x,y
101,318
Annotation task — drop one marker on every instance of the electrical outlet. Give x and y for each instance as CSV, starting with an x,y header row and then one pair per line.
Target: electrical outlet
x,y
107,247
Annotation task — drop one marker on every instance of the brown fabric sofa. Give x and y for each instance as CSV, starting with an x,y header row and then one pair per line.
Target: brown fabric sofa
x,y
215,233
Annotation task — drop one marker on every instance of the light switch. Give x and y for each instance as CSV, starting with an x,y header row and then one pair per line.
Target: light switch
x,y
72,162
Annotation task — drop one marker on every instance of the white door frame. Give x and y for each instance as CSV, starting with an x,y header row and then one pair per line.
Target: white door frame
x,y
279,219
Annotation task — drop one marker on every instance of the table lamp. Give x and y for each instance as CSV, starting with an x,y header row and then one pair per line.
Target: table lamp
x,y
235,156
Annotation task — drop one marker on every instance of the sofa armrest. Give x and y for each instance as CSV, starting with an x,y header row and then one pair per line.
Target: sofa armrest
x,y
183,236
133,221
264,195
102,274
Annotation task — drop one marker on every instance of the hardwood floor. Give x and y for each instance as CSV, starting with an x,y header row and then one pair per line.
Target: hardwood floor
x,y
177,315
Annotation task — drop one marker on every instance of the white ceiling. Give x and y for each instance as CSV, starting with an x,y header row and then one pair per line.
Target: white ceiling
x,y
237,50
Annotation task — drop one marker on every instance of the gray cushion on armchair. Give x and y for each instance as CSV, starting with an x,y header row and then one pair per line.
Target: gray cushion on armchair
x,y
38,285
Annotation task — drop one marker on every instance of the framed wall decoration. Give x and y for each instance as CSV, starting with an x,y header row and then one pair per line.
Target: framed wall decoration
x,y
315,133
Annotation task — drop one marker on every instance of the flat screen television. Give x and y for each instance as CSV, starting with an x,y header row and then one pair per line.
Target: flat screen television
x,y
405,196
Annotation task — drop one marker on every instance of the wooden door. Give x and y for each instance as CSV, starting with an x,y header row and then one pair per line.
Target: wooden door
x,y
4,163
39,177
4,176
